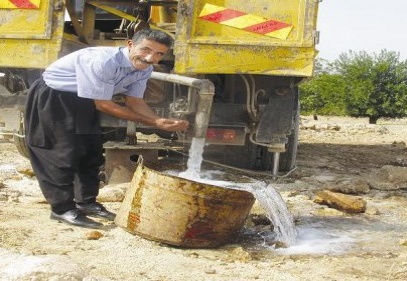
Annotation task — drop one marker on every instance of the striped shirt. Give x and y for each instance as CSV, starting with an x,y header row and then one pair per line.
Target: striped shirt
x,y
97,73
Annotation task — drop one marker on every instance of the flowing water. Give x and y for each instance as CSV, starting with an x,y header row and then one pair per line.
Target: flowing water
x,y
195,159
312,238
277,212
275,208
266,195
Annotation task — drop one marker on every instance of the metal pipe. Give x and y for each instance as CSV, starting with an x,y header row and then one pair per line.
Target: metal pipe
x,y
205,98
177,79
203,111
248,97
276,160
131,133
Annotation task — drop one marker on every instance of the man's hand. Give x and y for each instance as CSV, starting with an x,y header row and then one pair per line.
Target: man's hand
x,y
172,125
137,110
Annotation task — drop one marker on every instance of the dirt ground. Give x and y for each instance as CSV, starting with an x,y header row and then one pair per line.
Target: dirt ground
x,y
331,244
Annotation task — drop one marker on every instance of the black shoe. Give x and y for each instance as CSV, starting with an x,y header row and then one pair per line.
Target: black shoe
x,y
75,217
96,210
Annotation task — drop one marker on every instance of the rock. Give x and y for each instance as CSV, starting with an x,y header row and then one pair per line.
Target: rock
x,y
94,235
239,254
28,172
372,211
389,178
349,186
328,212
320,126
403,242
113,192
343,202
194,255
324,178
259,219
399,144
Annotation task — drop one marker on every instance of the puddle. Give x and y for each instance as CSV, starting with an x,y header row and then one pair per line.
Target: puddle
x,y
315,241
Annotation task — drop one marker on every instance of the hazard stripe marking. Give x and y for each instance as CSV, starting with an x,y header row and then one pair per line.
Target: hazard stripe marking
x,y
266,27
24,4
20,4
221,16
244,21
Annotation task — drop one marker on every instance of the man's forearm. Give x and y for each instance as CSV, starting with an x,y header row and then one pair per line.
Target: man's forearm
x,y
113,109
137,110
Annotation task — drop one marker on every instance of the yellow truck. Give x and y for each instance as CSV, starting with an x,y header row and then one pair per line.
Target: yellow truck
x,y
233,72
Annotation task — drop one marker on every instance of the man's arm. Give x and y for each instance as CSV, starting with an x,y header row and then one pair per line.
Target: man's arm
x,y
137,110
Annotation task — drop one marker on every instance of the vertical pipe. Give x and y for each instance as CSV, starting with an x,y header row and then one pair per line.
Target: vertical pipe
x,y
131,133
276,161
205,98
203,111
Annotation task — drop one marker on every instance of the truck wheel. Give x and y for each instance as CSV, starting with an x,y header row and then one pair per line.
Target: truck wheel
x,y
19,139
288,158
19,142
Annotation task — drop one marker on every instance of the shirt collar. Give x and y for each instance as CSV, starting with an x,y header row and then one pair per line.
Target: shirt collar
x,y
127,62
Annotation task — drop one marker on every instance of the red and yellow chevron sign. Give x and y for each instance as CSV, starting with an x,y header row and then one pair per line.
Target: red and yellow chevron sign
x,y
20,4
244,21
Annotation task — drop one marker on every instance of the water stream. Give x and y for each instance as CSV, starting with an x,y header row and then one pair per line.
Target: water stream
x,y
194,163
309,238
266,195
277,213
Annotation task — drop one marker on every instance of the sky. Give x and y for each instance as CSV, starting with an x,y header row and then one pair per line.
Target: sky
x,y
362,25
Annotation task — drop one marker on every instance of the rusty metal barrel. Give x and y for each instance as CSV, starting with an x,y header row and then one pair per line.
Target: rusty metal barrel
x,y
181,212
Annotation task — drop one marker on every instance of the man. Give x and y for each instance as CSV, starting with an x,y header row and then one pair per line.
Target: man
x,y
62,125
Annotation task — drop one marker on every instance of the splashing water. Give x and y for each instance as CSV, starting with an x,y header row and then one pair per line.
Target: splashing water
x,y
303,240
271,201
267,196
276,210
313,240
195,160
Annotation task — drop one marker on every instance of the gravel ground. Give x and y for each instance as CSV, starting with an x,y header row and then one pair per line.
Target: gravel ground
x,y
331,244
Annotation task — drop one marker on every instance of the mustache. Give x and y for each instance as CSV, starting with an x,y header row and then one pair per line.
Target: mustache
x,y
145,61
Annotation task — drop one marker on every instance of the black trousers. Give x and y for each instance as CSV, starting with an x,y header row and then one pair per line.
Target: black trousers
x,y
64,141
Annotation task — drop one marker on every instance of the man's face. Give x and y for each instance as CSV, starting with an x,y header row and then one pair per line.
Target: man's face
x,y
146,53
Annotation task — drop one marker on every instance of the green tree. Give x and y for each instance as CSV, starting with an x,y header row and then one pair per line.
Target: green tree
x,y
324,93
376,85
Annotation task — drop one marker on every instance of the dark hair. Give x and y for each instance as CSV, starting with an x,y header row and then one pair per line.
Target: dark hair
x,y
153,34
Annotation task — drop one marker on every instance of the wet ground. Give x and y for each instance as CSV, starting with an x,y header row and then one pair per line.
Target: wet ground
x,y
331,244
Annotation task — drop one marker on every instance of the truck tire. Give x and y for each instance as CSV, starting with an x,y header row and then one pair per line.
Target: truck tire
x,y
288,158
19,142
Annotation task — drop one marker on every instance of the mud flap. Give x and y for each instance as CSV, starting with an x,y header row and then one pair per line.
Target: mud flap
x,y
276,118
